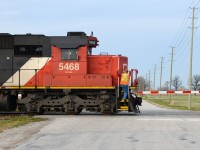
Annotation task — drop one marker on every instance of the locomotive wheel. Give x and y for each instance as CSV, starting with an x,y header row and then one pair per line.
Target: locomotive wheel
x,y
106,108
114,110
79,110
22,108
41,111
8,102
33,106
74,112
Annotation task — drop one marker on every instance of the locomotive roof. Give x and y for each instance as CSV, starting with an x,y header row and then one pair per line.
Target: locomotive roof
x,y
68,41
72,40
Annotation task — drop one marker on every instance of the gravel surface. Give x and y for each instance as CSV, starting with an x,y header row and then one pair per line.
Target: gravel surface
x,y
16,136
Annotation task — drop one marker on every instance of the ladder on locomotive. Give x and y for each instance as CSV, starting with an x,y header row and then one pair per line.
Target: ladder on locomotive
x,y
127,105
123,105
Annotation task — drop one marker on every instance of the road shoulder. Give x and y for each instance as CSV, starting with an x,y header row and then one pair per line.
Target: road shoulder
x,y
11,138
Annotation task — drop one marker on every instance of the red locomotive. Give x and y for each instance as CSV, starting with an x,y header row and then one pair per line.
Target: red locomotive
x,y
40,73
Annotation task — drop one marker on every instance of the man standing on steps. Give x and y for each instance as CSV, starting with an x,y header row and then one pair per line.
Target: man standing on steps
x,y
125,77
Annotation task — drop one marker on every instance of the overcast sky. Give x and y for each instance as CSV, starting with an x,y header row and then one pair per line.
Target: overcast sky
x,y
143,30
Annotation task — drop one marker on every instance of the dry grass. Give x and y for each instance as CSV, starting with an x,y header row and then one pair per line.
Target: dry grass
x,y
7,122
176,102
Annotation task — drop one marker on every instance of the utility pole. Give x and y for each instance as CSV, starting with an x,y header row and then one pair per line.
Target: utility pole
x,y
191,54
146,82
146,76
149,79
155,78
170,83
161,65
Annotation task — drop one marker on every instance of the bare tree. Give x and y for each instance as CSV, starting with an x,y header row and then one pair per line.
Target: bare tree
x,y
176,82
196,82
148,85
166,86
142,83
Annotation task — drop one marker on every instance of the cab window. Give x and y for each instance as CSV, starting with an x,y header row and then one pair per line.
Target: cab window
x,y
69,54
28,50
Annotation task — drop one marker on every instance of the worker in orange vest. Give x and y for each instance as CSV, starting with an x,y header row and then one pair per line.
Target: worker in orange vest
x,y
125,77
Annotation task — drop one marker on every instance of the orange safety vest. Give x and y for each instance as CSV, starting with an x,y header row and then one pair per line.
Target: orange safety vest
x,y
125,78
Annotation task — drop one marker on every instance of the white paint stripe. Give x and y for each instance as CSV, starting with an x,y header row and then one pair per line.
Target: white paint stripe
x,y
26,75
159,119
146,92
169,119
162,92
195,92
193,119
178,92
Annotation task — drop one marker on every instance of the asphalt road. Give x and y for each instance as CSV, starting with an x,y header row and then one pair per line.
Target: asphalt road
x,y
154,129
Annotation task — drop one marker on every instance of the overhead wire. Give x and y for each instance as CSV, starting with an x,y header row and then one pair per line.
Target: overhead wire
x,y
183,24
187,36
183,58
180,33
196,52
181,38
197,3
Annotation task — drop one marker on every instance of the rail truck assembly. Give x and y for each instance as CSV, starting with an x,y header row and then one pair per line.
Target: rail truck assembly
x,y
41,73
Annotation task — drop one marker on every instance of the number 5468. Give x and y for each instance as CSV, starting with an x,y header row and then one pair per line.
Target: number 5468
x,y
68,66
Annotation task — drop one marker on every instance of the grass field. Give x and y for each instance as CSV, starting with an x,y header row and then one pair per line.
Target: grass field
x,y
176,102
7,122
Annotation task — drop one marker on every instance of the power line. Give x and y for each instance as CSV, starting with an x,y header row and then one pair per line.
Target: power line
x,y
182,26
182,39
197,3
183,29
182,55
184,50
184,42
